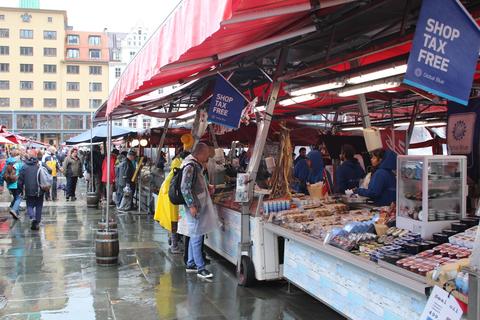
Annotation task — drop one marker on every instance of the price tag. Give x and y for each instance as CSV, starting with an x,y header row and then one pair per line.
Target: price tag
x,y
441,306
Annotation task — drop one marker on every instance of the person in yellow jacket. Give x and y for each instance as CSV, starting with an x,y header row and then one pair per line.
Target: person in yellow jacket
x,y
166,213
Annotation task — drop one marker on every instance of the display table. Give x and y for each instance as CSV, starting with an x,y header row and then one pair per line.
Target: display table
x,y
353,286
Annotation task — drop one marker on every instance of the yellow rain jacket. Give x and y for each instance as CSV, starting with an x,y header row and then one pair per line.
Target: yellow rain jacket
x,y
166,212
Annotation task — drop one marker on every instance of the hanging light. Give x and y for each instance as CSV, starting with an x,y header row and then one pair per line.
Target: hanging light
x,y
317,88
370,87
143,142
298,99
378,74
134,143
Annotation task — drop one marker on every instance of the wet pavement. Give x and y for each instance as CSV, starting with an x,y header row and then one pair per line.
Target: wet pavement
x,y
52,274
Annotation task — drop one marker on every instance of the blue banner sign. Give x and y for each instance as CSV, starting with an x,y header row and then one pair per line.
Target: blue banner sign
x,y
226,105
445,51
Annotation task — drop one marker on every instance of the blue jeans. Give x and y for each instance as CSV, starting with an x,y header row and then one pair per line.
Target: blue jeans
x,y
17,199
35,207
195,256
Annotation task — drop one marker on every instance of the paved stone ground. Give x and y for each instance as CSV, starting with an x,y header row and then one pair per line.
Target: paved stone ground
x,y
52,274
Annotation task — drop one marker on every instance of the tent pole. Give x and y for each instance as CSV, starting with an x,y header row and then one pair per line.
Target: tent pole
x,y
162,139
91,152
245,245
109,141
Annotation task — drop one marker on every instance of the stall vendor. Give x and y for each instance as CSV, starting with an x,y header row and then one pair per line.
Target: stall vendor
x,y
315,162
301,173
382,186
349,173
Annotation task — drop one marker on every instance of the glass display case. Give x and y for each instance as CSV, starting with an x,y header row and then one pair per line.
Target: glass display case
x,y
431,192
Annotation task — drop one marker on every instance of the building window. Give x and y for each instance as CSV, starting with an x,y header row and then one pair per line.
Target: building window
x,y
73,103
26,102
95,86
26,67
26,85
116,55
71,122
2,17
26,34
4,33
73,53
94,40
118,123
50,121
49,103
26,51
4,102
71,69
132,54
73,39
118,72
147,123
50,52
49,68
132,123
26,17
50,35
50,19
4,67
129,43
95,103
94,54
73,86
49,85
4,50
4,84
27,121
95,69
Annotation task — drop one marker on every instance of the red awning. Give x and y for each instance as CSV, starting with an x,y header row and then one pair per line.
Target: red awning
x,y
200,33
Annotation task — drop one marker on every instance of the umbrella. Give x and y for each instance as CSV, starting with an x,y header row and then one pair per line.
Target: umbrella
x,y
4,140
98,134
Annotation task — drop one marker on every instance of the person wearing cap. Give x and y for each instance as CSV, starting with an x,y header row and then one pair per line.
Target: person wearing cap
x,y
125,172
72,167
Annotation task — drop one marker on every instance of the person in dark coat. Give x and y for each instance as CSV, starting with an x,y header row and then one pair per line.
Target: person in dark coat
x,y
72,167
383,184
124,175
301,156
301,173
315,162
29,185
349,173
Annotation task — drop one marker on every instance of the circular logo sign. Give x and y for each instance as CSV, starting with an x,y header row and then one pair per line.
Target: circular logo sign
x,y
459,130
418,72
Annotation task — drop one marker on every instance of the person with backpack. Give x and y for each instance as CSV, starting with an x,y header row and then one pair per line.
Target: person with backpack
x,y
33,181
9,175
166,213
200,213
51,161
72,167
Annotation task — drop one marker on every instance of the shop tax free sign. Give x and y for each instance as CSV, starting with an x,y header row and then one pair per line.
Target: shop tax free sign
x,y
445,51
226,105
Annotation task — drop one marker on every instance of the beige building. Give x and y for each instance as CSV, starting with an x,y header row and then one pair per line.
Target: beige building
x,y
51,77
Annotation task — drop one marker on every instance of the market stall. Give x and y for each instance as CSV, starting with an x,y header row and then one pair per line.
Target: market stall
x,y
343,76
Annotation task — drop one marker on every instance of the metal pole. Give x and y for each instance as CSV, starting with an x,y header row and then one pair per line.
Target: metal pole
x,y
411,126
109,142
91,152
362,104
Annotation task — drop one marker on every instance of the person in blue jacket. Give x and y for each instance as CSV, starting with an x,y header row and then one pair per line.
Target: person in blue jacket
x,y
349,173
301,172
383,184
12,186
315,162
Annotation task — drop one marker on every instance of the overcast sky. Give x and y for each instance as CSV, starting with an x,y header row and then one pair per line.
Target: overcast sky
x,y
116,15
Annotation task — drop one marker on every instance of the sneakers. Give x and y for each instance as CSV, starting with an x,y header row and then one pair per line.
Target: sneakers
x,y
191,269
204,274
67,199
35,226
13,214
73,199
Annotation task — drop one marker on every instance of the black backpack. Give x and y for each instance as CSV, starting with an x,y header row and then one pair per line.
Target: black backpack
x,y
175,193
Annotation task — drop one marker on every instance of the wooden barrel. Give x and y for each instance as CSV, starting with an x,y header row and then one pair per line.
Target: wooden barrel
x,y
92,200
112,225
107,247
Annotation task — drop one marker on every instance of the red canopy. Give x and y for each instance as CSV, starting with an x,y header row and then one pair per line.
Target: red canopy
x,y
200,33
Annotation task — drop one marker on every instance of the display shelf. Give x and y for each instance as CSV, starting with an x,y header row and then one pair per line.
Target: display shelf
x,y
417,284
